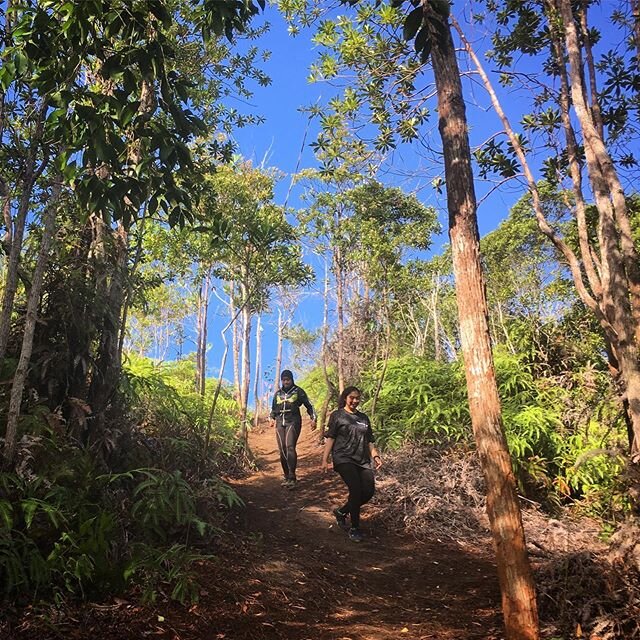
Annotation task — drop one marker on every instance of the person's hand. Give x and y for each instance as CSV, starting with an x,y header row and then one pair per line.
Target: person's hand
x,y
314,424
377,461
324,465
272,422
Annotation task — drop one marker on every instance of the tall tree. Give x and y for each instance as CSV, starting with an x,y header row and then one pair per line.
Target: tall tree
x,y
377,63
594,103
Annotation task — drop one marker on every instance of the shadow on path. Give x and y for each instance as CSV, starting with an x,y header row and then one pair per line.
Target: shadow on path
x,y
311,582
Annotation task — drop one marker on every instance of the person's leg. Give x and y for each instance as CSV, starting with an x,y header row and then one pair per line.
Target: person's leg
x,y
291,440
350,475
367,484
281,433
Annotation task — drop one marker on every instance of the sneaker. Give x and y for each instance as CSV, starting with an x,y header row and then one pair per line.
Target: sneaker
x,y
355,535
285,482
292,483
341,518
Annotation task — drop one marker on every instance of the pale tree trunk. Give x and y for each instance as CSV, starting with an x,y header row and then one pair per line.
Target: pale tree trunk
x,y
256,386
15,229
20,376
276,382
322,414
216,393
202,320
246,363
600,166
516,582
339,273
387,354
235,342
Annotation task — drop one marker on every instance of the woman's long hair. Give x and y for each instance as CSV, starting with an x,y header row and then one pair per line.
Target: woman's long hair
x,y
342,400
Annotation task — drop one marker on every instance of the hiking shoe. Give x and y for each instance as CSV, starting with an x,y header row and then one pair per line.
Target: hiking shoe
x,y
285,482
292,483
355,535
341,518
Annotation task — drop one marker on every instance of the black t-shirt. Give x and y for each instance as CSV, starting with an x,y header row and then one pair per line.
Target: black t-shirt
x,y
352,434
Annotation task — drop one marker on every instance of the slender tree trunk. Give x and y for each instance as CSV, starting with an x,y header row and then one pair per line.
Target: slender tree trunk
x,y
201,322
276,382
256,386
20,376
340,313
322,414
246,363
600,166
216,393
387,355
235,341
15,230
516,582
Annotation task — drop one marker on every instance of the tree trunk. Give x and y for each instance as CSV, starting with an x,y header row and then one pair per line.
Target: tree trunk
x,y
331,391
110,291
256,387
600,166
246,364
15,230
610,289
339,273
516,582
33,302
235,342
276,382
201,322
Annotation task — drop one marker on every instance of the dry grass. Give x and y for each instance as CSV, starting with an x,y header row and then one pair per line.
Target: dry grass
x,y
585,588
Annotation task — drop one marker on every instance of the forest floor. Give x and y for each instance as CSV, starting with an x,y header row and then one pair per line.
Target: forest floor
x,y
287,571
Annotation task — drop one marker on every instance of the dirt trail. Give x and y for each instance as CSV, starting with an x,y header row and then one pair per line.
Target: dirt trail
x,y
289,572
310,582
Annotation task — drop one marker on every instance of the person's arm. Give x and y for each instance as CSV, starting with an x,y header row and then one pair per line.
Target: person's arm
x,y
326,452
375,456
274,405
304,398
373,450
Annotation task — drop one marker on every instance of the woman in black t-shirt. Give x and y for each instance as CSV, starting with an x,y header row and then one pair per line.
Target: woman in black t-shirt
x,y
350,442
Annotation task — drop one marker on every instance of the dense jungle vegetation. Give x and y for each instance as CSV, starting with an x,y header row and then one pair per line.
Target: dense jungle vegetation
x,y
128,213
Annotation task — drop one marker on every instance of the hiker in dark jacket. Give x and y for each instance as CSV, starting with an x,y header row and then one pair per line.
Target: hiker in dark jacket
x,y
350,442
285,416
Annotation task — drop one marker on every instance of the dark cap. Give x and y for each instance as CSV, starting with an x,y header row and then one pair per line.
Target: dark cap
x,y
286,374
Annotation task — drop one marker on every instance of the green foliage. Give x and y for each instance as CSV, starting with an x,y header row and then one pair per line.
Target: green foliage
x,y
557,455
421,400
70,525
153,569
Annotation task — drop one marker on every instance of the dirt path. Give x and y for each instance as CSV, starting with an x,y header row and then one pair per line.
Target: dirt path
x,y
290,573
310,582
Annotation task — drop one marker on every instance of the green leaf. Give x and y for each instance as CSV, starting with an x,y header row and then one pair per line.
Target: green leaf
x,y
412,23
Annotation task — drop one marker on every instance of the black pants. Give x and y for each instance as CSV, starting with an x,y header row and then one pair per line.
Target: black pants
x,y
287,437
361,485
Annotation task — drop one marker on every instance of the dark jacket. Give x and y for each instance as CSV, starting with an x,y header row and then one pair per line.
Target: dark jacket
x,y
285,408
